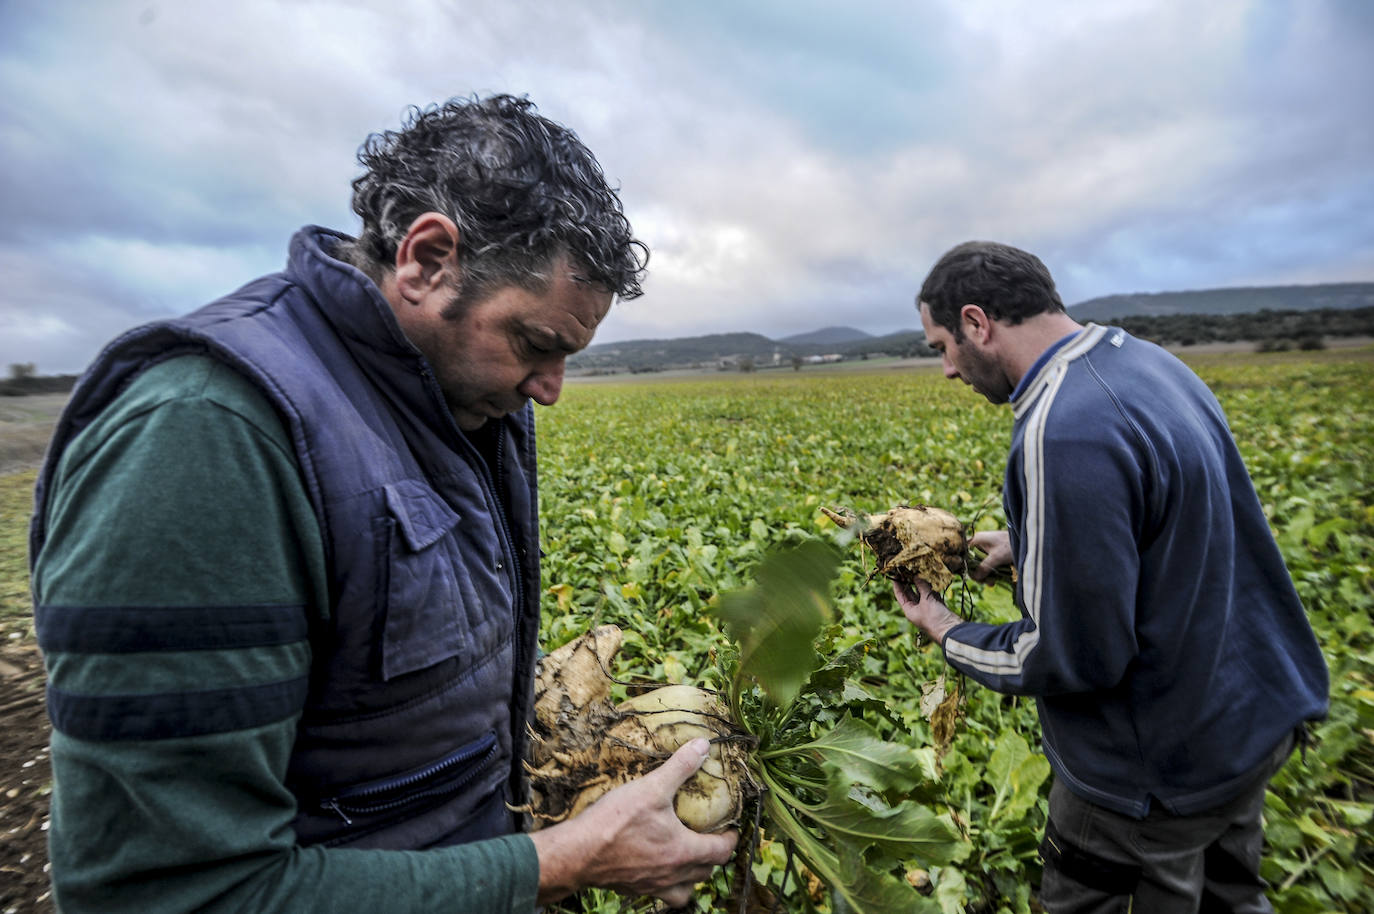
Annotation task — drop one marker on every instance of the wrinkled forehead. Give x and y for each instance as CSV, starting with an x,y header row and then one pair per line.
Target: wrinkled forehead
x,y
571,308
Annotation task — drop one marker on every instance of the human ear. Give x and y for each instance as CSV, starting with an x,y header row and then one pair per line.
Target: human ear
x,y
427,257
976,322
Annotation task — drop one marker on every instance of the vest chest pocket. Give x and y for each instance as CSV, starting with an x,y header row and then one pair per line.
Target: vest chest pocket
x,y
425,585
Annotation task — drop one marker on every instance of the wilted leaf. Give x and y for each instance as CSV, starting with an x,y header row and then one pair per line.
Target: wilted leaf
x,y
943,719
932,694
563,592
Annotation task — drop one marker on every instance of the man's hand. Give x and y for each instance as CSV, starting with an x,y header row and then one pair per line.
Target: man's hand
x,y
997,546
924,609
632,841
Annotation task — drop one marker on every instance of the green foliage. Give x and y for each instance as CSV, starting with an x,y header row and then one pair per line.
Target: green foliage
x,y
835,791
659,497
776,621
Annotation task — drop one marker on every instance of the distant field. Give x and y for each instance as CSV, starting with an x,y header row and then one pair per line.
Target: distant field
x,y
26,424
16,505
927,363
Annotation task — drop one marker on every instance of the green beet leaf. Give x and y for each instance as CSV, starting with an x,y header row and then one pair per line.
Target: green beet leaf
x,y
776,620
1016,773
864,889
906,831
865,758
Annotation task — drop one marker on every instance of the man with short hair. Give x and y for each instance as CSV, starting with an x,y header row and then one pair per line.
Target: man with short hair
x,y
286,562
1171,660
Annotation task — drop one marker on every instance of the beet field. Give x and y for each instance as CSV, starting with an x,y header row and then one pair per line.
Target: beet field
x,y
665,500
659,496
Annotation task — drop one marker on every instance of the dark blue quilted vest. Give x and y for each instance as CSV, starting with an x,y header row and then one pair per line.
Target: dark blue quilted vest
x,y
414,727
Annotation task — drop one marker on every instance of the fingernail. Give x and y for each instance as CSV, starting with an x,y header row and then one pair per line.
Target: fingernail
x,y
700,745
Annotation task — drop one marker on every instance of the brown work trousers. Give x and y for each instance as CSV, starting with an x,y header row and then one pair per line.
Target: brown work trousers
x,y
1100,862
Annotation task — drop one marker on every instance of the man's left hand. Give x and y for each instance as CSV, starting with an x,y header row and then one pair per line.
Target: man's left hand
x,y
924,609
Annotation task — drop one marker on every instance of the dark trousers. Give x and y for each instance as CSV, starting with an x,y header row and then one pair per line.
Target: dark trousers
x,y
1101,862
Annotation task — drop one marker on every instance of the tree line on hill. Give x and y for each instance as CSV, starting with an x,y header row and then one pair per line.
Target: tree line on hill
x,y
1267,329
1243,300
24,379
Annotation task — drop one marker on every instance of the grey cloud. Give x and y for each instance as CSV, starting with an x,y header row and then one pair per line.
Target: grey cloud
x,y
792,164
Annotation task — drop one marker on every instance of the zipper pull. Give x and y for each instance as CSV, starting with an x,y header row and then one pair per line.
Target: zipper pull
x,y
333,805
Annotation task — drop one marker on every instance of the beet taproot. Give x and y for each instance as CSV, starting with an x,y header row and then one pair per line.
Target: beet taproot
x,y
910,542
584,745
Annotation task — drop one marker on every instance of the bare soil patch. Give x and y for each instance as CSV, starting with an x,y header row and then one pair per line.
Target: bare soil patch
x,y
25,782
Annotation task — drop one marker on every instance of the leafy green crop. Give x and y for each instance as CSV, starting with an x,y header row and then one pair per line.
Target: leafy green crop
x,y
833,789
660,496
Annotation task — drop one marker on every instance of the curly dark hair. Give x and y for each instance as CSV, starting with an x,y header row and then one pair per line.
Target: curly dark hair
x,y
1008,283
522,190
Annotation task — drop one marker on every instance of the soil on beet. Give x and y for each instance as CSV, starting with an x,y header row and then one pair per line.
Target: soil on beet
x,y
25,783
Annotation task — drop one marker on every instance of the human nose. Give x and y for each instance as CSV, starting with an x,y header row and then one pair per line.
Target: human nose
x,y
544,384
950,372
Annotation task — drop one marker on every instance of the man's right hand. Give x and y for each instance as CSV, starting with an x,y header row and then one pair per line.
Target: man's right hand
x,y
632,841
997,546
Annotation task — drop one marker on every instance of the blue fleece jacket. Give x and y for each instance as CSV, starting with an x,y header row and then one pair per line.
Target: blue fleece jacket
x,y
1160,634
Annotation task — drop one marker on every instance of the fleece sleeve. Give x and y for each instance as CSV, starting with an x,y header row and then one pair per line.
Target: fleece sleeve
x,y
1078,491
173,596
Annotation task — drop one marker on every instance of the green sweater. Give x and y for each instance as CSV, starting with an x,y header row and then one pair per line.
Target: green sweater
x,y
185,493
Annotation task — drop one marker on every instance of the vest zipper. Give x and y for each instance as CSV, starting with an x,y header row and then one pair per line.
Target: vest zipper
x,y
333,806
517,573
492,484
357,799
518,577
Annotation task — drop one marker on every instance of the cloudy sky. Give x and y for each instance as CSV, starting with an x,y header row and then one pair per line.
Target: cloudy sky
x,y
791,164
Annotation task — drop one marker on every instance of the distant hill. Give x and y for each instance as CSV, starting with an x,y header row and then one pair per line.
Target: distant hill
x,y
829,335
1268,313
654,355
731,350
1226,301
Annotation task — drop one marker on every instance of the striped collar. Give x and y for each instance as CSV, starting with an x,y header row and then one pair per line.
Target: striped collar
x,y
1051,362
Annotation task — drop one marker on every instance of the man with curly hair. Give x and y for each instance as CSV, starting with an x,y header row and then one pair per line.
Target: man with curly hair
x,y
286,561
1160,633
